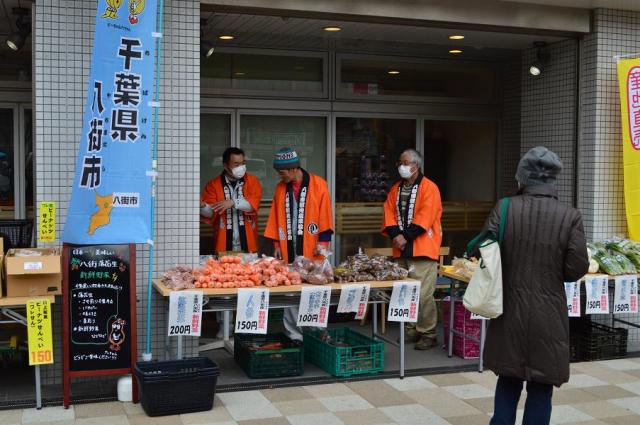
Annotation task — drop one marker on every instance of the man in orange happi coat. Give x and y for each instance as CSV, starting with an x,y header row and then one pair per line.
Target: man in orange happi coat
x,y
301,219
230,204
412,214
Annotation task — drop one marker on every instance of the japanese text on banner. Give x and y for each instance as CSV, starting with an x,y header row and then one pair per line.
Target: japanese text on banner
x,y
404,302
185,313
354,299
111,193
572,290
252,312
47,222
625,297
314,306
597,290
39,332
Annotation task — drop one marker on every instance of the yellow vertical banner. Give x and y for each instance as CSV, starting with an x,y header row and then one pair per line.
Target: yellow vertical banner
x,y
39,332
47,221
629,81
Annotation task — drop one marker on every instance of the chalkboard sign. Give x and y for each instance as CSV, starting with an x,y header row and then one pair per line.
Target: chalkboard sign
x,y
99,314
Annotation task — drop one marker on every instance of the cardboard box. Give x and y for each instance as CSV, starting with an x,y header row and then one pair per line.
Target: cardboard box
x,y
37,275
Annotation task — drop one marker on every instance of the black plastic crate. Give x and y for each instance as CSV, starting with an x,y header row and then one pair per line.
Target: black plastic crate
x,y
601,342
258,362
177,386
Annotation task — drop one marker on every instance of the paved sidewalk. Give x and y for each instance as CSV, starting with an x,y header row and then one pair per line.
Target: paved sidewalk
x,y
606,392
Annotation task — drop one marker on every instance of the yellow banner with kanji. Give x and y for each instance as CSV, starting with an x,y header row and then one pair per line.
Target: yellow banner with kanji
x,y
39,332
629,81
47,221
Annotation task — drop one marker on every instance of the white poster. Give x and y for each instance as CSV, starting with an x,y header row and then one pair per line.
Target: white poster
x,y
597,289
625,298
185,313
354,299
314,306
252,311
572,289
405,299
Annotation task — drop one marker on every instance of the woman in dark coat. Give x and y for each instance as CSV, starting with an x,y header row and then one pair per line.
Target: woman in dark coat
x,y
544,246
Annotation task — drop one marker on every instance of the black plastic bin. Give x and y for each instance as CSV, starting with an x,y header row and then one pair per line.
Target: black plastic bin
x,y
177,386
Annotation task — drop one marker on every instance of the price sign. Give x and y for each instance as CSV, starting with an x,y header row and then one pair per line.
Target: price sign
x,y
39,332
597,289
405,298
252,312
185,313
572,290
314,306
625,299
353,299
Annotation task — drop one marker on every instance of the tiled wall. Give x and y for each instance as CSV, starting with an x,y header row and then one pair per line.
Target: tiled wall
x,y
63,38
601,180
549,109
510,128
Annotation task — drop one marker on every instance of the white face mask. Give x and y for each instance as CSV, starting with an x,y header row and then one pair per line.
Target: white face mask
x,y
405,171
239,171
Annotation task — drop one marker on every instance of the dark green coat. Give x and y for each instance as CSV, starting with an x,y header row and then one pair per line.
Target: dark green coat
x,y
544,246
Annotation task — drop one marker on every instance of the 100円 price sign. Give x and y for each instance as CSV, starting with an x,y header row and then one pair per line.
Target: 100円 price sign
x,y
39,332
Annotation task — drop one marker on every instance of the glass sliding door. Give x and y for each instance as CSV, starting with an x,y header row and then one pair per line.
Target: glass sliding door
x,y
261,136
460,157
215,137
8,142
366,152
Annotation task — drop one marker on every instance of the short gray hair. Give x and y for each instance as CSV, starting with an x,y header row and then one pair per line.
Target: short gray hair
x,y
416,158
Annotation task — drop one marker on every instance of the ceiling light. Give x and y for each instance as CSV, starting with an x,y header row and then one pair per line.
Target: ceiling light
x,y
393,72
542,57
226,37
332,29
17,39
239,74
455,51
456,37
206,49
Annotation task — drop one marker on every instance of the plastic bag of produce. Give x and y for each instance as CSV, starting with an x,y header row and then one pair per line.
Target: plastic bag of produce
x,y
179,277
605,260
626,264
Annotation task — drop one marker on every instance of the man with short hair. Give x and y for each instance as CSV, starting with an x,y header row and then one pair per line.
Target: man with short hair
x,y
300,221
230,203
412,214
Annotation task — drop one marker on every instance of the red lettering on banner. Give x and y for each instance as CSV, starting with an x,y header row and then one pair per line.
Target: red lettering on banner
x,y
633,106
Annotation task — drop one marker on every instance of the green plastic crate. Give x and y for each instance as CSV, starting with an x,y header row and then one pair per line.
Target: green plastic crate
x,y
286,361
361,355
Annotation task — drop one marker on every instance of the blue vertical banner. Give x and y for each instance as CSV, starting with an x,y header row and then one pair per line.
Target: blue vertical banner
x,y
111,193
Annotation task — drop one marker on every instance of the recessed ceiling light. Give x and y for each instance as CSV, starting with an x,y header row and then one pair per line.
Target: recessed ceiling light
x,y
239,74
226,37
393,72
456,37
332,29
455,51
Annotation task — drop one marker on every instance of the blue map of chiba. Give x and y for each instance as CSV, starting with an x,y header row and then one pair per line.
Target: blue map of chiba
x,y
111,193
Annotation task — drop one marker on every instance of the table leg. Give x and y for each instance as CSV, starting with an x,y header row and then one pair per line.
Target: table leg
x,y
225,320
451,316
38,389
483,334
401,349
375,319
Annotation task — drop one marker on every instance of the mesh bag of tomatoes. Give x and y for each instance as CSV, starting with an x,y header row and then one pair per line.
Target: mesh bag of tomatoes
x,y
276,272
231,272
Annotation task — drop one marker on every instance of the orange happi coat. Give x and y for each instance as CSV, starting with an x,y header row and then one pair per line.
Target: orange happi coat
x,y
424,210
251,190
314,216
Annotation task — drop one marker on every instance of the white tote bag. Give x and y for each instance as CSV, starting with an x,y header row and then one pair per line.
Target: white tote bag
x,y
484,292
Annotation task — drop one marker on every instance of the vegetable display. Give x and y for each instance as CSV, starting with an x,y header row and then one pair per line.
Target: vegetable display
x,y
615,256
361,267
